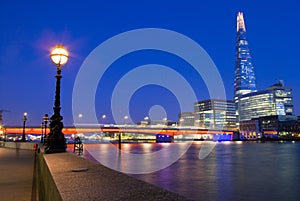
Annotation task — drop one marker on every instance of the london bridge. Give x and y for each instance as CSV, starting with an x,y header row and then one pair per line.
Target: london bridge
x,y
134,130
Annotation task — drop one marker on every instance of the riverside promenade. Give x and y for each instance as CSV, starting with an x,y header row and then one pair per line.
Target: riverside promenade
x,y
67,177
17,176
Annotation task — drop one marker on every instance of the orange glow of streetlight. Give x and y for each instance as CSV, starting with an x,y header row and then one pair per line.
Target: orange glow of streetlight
x,y
59,55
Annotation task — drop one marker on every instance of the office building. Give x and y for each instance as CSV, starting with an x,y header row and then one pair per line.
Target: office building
x,y
186,119
276,100
270,127
215,114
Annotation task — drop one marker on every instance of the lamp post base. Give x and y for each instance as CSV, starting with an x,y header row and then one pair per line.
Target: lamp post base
x,y
55,145
55,142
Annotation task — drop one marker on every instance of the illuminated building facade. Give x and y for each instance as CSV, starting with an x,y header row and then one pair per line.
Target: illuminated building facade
x,y
186,119
215,114
250,129
276,100
268,114
283,126
244,81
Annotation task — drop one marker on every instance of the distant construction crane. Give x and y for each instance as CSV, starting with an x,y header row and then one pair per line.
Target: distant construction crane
x,y
1,116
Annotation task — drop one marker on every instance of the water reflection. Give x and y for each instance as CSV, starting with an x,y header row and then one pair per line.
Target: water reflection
x,y
138,158
232,171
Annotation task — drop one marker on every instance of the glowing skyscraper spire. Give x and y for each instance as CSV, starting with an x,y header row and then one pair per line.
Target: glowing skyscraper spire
x,y
244,80
240,22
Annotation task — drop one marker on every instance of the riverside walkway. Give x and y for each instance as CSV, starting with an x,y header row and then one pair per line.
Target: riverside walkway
x,y
17,176
20,178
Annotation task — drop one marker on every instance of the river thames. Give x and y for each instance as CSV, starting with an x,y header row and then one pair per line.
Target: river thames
x,y
232,170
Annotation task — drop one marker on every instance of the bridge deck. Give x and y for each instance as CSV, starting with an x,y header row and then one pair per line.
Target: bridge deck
x,y
124,129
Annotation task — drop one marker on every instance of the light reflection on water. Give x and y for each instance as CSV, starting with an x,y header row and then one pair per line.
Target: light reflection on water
x,y
138,158
232,171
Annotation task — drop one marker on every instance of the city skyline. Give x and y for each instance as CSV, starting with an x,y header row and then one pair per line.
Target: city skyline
x,y
27,74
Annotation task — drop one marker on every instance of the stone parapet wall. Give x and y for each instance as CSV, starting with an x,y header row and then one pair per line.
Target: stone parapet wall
x,y
79,179
47,190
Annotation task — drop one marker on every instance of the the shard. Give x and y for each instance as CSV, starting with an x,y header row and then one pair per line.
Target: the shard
x,y
244,81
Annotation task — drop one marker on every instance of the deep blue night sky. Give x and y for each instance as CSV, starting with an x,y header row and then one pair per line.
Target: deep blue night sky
x,y
29,29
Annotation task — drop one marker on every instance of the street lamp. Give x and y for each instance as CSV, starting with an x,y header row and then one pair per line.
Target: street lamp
x,y
55,141
103,118
24,122
42,126
45,121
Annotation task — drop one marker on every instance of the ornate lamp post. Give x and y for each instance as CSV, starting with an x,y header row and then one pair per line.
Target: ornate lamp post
x,y
42,137
45,122
24,122
55,141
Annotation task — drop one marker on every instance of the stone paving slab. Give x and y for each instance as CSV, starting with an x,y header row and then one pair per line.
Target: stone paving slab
x,y
97,182
16,174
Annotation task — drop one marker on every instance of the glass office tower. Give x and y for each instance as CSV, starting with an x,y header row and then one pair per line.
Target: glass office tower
x,y
276,100
244,81
215,114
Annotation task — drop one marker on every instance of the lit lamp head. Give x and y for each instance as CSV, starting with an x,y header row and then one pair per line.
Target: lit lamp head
x,y
25,116
59,55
